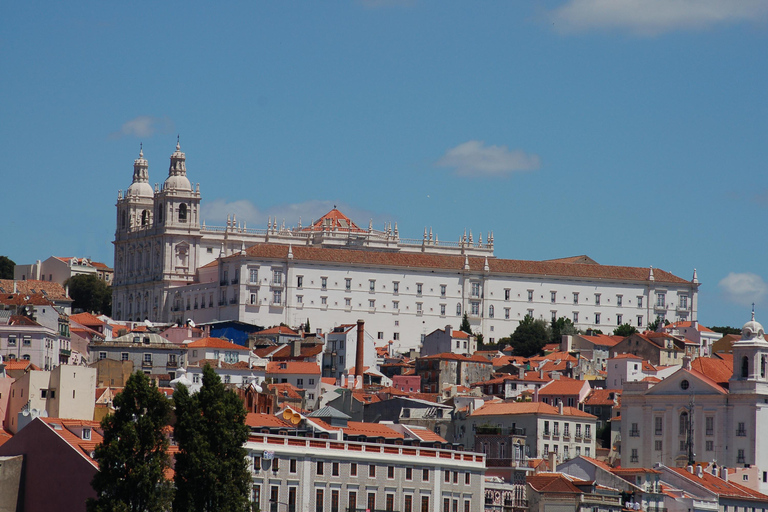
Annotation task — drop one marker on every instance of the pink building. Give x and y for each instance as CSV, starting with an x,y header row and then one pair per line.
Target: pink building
x,y
407,383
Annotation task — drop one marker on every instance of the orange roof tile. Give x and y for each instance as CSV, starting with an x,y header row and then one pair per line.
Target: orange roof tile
x,y
563,386
509,408
295,367
719,370
720,486
449,262
215,343
253,419
279,329
52,289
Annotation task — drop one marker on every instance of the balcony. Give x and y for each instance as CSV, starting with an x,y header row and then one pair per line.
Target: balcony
x,y
223,282
660,307
276,284
65,352
222,302
235,281
741,433
172,364
634,433
146,364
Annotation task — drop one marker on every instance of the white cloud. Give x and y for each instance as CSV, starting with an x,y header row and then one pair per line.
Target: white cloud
x,y
215,213
143,126
650,17
743,288
473,158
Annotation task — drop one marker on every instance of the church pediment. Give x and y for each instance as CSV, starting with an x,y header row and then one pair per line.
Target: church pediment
x,y
685,382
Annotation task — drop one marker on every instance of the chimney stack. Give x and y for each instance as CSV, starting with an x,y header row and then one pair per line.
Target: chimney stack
x,y
359,371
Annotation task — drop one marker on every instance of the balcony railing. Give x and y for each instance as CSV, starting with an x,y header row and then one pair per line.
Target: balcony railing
x,y
65,352
634,433
741,433
172,364
146,363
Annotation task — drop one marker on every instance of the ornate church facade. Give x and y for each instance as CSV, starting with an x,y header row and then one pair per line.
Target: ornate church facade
x,y
171,267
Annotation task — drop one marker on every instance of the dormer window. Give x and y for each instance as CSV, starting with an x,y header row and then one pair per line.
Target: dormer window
x,y
283,366
87,434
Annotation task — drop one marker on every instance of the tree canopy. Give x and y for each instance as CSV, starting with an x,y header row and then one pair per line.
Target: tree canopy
x,y
211,471
561,327
530,337
133,457
90,293
465,327
6,267
624,330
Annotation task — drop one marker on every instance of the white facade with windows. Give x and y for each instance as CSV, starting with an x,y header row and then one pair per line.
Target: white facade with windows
x,y
334,272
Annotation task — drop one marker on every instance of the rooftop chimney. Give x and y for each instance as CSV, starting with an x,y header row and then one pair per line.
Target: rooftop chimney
x,y
724,473
359,354
699,471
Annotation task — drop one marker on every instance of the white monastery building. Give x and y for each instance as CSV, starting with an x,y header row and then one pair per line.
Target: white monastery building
x,y
170,266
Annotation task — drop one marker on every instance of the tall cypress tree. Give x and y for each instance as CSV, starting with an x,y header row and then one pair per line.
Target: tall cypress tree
x,y
211,470
133,457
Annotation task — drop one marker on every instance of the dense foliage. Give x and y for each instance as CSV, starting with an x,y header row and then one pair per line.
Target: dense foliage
x,y
624,330
211,470
89,293
561,327
6,267
133,457
530,337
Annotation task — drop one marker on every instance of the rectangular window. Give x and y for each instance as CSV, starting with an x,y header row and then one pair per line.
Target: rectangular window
x,y
597,318
506,313
396,336
530,295
274,497
390,472
124,356
319,500
372,303
292,466
425,504
639,301
446,476
466,478
277,277
575,297
299,281
633,457
395,287
277,297
619,300
507,293
334,500
657,445
710,446
352,502
741,431
419,288
148,358
475,289
443,289
409,473
597,299
320,467
390,503
372,285
456,477
661,300
575,317
372,471
474,308
253,275
552,297
353,469
395,305
442,309
407,503
658,423
710,425
348,284
103,355
639,320
11,341
419,307
682,302
371,500
425,475
619,319
446,505
466,505
740,456
299,299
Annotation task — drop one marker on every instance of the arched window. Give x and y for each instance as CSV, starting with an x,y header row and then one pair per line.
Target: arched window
x,y
762,367
160,213
745,367
144,218
683,423
182,212
25,357
490,311
122,219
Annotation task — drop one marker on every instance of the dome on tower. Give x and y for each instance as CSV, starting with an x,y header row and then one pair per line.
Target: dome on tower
x,y
140,186
177,172
752,330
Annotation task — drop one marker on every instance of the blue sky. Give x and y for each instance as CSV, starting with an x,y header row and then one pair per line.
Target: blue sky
x,y
631,131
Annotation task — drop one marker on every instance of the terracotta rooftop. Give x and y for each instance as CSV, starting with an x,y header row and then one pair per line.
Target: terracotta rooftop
x,y
510,408
450,356
682,325
256,420
449,262
215,343
280,329
293,367
603,339
87,319
553,483
563,386
61,427
720,486
602,397
719,370
334,220
53,290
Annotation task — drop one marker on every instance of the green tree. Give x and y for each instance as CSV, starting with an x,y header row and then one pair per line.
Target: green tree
x,y
624,330
655,324
306,327
90,293
211,471
133,457
727,329
465,327
561,327
6,267
530,337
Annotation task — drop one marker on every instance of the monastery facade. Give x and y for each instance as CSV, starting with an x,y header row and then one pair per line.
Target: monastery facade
x,y
171,267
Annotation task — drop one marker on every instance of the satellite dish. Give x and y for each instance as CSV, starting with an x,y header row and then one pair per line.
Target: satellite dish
x,y
35,413
296,418
190,322
287,414
25,413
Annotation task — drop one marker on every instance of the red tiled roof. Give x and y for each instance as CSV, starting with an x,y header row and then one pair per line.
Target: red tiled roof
x,y
84,446
52,289
426,435
459,334
602,339
719,370
508,408
328,380
294,367
4,436
280,329
625,356
253,419
285,390
22,320
86,319
563,386
679,325
218,364
458,357
334,220
720,486
20,364
215,343
553,483
602,397
449,262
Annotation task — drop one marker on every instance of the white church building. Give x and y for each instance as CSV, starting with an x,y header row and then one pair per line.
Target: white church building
x,y
689,416
170,266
